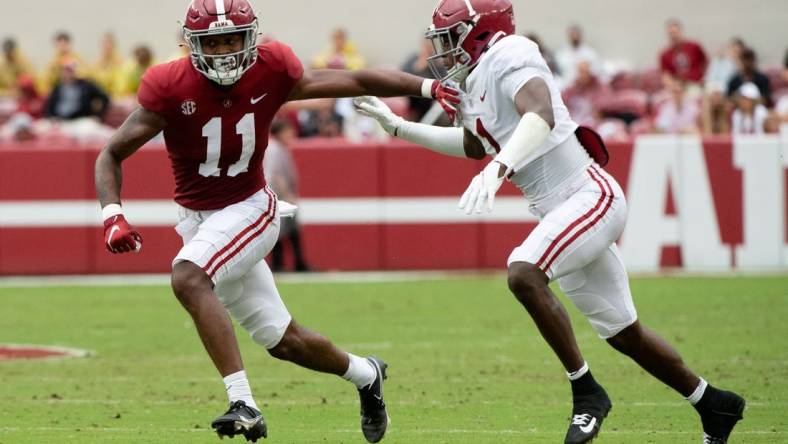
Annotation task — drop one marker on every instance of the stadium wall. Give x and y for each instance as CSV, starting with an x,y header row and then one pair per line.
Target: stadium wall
x,y
387,31
704,205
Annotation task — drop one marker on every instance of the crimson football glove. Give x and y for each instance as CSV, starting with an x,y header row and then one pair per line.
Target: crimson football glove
x,y
447,96
119,236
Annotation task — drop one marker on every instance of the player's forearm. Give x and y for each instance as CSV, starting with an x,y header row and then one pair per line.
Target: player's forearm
x,y
108,177
140,127
448,141
388,83
334,83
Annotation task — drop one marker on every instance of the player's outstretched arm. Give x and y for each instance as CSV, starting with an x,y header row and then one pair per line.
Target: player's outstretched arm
x,y
334,83
141,126
450,141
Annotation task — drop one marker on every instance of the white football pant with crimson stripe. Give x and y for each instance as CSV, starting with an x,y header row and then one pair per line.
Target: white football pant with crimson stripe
x,y
574,243
230,245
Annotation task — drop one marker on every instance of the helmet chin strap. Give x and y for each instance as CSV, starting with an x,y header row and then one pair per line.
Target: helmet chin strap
x,y
498,36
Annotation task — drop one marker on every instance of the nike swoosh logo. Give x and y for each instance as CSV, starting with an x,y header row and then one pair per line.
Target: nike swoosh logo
x,y
590,427
112,232
255,100
484,96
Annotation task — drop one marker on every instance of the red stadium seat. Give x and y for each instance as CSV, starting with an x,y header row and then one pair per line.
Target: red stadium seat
x,y
775,75
624,80
630,101
651,80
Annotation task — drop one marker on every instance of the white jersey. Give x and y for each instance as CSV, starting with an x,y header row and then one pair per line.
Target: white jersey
x,y
488,111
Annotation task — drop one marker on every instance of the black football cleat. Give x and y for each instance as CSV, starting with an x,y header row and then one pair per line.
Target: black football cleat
x,y
719,412
241,419
374,418
588,413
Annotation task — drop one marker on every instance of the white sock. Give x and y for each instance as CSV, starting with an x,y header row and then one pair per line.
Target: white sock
x,y
360,371
694,398
574,376
238,389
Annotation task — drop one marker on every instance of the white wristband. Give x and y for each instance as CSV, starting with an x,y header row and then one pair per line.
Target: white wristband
x,y
110,211
426,88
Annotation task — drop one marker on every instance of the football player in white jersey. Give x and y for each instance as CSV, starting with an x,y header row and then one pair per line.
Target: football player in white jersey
x,y
512,110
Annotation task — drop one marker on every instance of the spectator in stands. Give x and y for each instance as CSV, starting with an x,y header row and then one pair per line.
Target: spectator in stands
x,y
417,65
341,54
28,100
715,110
749,73
584,96
13,66
782,104
64,52
142,60
683,60
74,97
547,54
282,176
679,115
724,65
108,70
750,115
578,51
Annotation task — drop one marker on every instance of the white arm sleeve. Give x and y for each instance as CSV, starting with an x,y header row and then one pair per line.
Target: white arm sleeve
x,y
530,134
449,141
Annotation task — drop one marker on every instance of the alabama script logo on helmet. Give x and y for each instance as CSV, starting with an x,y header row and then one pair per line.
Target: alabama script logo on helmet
x,y
220,17
462,30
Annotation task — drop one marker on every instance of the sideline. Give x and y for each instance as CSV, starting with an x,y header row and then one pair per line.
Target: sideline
x,y
333,277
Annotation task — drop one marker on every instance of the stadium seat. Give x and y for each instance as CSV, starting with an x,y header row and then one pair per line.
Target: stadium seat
x,y
650,80
630,102
624,80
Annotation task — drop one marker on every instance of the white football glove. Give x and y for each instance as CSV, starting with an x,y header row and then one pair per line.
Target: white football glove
x,y
373,107
480,195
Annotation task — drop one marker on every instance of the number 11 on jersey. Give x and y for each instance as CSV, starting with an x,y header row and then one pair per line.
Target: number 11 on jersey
x,y
213,132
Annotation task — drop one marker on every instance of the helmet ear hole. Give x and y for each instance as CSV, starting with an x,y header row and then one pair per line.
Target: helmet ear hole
x,y
483,36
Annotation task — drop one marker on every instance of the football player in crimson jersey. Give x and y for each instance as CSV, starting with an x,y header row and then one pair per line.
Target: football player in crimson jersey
x,y
512,110
215,109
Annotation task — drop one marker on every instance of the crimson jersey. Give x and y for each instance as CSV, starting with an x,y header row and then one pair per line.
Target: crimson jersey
x,y
216,136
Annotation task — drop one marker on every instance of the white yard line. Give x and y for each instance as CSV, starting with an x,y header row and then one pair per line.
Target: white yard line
x,y
327,277
286,278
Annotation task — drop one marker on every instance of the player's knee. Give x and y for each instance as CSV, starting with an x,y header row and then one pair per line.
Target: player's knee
x,y
525,280
189,282
628,340
291,344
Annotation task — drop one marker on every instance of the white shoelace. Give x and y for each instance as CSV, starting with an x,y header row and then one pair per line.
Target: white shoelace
x,y
581,420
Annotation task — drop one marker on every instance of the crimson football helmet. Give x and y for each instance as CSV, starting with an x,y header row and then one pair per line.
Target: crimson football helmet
x,y
219,17
462,30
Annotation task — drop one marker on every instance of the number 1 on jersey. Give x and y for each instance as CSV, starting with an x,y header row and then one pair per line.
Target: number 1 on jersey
x,y
213,132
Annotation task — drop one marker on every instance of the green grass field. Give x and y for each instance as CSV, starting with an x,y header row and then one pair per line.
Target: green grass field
x,y
466,365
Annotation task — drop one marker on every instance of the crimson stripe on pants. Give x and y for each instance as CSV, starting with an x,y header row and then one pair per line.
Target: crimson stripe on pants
x,y
242,233
605,192
254,235
571,227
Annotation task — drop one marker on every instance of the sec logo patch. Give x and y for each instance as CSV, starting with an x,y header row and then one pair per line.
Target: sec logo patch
x,y
189,107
